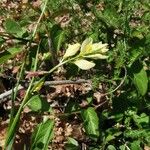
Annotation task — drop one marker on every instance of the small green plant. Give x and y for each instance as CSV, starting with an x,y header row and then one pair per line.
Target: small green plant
x,y
86,50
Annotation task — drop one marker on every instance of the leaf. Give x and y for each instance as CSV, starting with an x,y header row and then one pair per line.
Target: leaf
x,y
140,78
109,138
136,145
84,64
38,85
11,52
36,103
72,50
57,36
111,147
134,55
122,147
42,135
71,106
141,121
13,27
91,122
72,144
111,17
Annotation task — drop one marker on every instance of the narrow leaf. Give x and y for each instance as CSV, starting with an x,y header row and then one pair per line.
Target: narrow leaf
x,y
42,135
84,64
91,122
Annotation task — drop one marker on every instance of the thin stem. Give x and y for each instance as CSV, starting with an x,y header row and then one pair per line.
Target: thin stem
x,y
47,83
13,126
122,81
14,93
43,10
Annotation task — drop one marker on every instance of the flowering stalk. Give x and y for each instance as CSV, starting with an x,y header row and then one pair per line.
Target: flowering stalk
x,y
88,49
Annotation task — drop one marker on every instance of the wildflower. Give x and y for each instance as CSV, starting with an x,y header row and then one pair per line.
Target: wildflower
x,y
88,49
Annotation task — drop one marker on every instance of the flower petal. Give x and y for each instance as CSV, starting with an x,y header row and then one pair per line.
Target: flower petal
x,y
72,50
86,46
99,46
97,56
84,64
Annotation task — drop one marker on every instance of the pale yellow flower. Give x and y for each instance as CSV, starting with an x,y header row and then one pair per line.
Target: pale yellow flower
x,y
93,50
86,46
71,50
87,49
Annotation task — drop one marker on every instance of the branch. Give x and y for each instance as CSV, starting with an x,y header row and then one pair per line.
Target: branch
x,y
4,95
8,93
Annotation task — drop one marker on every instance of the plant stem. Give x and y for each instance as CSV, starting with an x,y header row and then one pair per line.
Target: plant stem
x,y
13,126
14,94
43,10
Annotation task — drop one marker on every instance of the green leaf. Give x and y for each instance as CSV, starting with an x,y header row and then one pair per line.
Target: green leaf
x,y
134,55
36,103
135,145
140,78
122,147
13,27
111,147
72,144
91,122
11,52
42,135
38,85
142,120
57,37
71,107
109,138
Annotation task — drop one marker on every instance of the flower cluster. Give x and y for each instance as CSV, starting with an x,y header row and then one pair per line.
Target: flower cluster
x,y
87,49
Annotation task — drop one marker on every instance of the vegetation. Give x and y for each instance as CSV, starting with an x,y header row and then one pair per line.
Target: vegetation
x,y
103,44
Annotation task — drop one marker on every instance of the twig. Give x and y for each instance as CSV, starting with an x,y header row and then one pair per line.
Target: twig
x,y
50,83
121,83
8,93
99,105
62,82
